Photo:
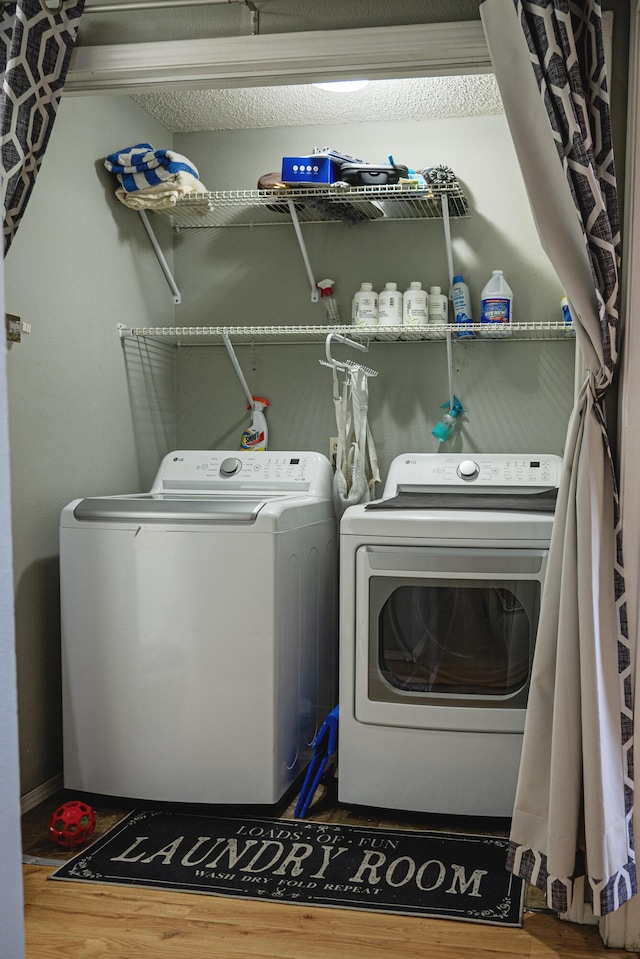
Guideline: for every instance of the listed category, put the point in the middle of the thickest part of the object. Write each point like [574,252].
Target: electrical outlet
[333,450]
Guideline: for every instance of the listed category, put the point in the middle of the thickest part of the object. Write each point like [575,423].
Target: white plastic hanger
[345,365]
[355,442]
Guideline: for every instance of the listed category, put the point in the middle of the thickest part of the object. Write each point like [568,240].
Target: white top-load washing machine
[440,586]
[198,625]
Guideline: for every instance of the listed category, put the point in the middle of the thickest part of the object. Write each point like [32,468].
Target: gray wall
[85,416]
[11,900]
[89,414]
[518,394]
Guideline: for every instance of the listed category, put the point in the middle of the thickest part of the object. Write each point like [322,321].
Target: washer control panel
[430,471]
[226,470]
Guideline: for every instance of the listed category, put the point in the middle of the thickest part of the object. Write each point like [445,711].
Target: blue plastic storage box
[316,169]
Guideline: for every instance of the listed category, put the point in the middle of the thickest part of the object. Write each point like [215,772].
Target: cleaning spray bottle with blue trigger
[256,437]
[443,430]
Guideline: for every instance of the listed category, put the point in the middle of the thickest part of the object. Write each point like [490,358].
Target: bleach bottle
[497,306]
[256,437]
[566,315]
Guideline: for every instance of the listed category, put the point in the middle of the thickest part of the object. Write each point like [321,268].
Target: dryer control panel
[226,470]
[494,471]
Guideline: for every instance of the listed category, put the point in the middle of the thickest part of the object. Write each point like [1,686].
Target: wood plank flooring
[69,920]
[82,921]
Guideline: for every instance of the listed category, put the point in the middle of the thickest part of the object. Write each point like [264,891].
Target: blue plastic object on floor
[324,746]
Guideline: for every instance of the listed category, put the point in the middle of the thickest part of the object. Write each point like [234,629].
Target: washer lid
[173,508]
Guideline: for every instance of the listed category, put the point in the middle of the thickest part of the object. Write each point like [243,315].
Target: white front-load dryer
[198,625]
[440,589]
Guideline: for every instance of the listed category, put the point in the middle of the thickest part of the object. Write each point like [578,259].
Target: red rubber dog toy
[72,824]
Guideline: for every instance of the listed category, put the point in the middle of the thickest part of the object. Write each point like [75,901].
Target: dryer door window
[456,639]
[445,628]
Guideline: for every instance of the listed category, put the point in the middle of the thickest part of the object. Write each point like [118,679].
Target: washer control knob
[467,469]
[230,466]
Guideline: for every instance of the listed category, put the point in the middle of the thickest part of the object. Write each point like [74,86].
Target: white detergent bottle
[390,306]
[415,305]
[257,436]
[461,304]
[364,307]
[438,306]
[496,306]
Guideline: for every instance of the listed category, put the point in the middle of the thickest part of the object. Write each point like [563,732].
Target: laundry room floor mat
[442,875]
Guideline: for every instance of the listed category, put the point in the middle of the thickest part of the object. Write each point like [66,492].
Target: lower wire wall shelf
[213,335]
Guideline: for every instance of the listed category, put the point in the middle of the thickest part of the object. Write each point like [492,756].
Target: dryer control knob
[467,469]
[230,466]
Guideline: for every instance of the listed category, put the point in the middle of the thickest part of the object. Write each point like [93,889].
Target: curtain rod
[158,5]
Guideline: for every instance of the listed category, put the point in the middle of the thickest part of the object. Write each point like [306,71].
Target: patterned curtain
[37,41]
[572,827]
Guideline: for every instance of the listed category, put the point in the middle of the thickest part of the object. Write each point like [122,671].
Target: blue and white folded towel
[141,166]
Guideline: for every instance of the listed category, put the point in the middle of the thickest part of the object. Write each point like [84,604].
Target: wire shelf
[249,208]
[212,335]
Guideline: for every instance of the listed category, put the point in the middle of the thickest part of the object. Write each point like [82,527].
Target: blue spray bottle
[443,430]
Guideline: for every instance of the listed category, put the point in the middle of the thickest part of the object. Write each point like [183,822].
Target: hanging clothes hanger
[336,364]
[356,472]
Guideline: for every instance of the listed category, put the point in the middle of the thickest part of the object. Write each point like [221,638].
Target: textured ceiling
[427,98]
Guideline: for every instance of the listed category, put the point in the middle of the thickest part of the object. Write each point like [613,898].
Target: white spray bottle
[256,437]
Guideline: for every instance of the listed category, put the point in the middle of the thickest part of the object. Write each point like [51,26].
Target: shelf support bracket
[177,298]
[444,199]
[315,295]
[255,17]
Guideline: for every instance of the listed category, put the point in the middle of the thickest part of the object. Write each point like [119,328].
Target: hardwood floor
[69,920]
[82,921]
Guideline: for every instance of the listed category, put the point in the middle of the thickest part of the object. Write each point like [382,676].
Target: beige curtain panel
[574,801]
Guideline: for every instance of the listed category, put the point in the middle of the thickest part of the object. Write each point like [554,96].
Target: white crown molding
[283,58]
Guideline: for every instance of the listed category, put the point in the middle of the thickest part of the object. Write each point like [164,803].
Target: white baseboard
[33,798]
